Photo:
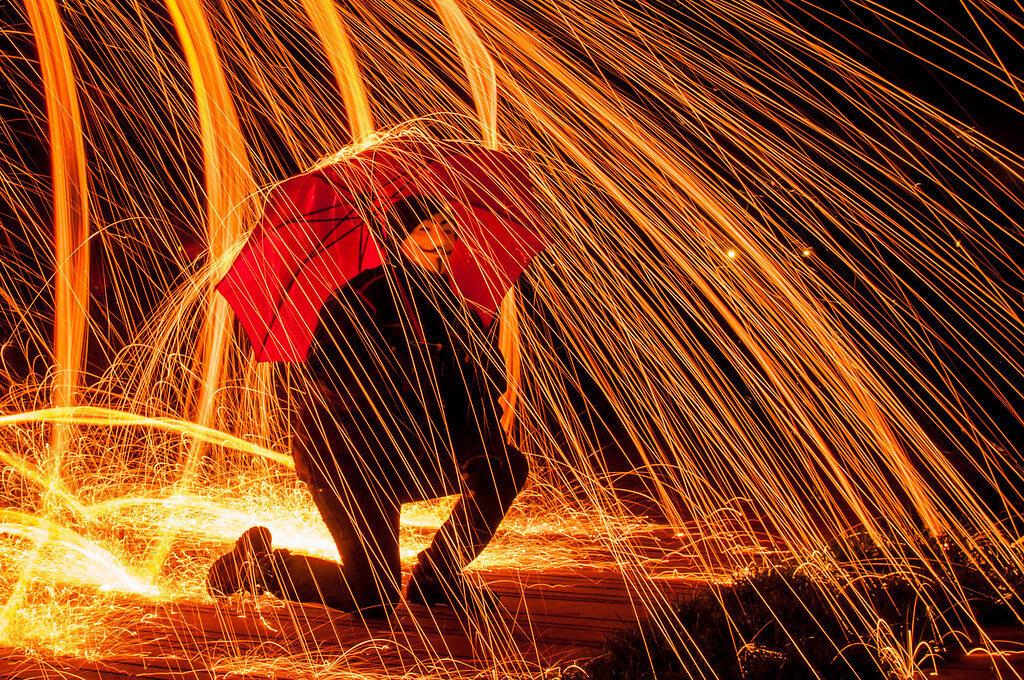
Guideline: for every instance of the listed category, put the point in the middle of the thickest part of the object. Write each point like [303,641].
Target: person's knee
[504,474]
[519,468]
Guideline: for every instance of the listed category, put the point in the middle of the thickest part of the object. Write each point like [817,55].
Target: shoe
[228,574]
[425,588]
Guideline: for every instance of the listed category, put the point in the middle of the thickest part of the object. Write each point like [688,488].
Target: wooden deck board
[550,618]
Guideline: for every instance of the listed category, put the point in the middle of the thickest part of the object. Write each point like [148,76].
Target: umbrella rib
[326,245]
[309,256]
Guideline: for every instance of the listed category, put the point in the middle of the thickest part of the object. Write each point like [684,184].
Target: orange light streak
[104,417]
[228,184]
[70,182]
[339,51]
[699,173]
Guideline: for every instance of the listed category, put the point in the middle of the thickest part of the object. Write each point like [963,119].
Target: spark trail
[780,286]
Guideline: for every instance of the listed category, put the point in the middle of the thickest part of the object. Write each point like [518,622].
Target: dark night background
[973,98]
[854,31]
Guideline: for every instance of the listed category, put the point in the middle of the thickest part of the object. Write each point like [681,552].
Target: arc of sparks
[106,417]
[228,183]
[334,35]
[70,212]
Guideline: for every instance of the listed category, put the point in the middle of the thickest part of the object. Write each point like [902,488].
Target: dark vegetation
[796,621]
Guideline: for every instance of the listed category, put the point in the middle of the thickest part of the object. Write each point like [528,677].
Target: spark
[765,409]
[105,417]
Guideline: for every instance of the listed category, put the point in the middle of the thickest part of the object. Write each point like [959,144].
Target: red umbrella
[321,228]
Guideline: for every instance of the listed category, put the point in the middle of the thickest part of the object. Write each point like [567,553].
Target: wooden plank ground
[981,664]
[550,618]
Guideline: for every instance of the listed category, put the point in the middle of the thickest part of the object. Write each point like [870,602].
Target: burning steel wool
[754,303]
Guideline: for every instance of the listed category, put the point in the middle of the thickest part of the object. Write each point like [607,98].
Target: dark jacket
[398,340]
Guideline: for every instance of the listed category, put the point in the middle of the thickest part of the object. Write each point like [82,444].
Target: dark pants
[361,469]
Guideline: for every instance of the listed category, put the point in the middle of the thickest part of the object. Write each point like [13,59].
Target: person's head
[425,231]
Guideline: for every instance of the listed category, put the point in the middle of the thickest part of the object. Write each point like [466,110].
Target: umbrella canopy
[321,228]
